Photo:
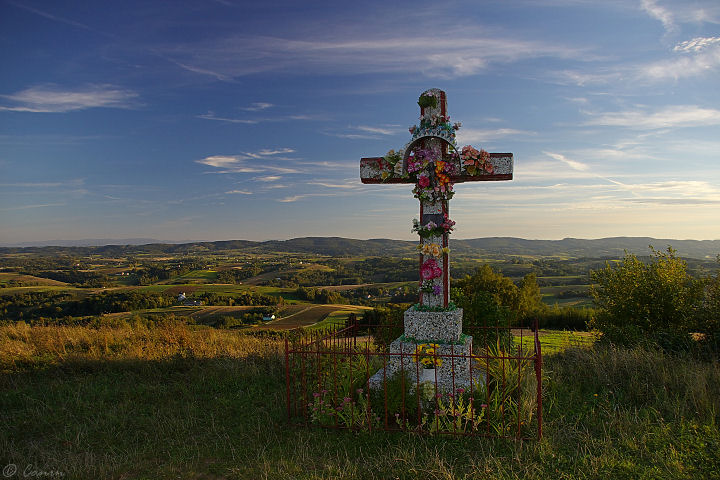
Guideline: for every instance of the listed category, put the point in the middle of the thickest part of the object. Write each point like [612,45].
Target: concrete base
[451,374]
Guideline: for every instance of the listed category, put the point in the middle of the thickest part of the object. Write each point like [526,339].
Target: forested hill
[337,246]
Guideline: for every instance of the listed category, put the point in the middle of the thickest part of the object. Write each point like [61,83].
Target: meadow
[178,401]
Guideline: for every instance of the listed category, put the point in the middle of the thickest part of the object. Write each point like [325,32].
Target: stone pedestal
[453,350]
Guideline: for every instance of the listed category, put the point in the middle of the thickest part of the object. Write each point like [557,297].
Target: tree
[654,301]
[530,303]
[500,287]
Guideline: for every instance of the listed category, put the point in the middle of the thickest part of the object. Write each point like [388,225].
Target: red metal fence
[350,378]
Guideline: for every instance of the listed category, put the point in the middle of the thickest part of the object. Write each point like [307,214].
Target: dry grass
[22,346]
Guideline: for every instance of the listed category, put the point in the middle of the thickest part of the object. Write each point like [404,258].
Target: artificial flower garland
[476,162]
[428,286]
[430,269]
[431,229]
[432,249]
[431,173]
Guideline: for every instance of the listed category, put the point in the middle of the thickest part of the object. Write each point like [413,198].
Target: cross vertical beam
[432,161]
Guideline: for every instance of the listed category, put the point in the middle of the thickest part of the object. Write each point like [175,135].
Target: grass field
[177,402]
[27,280]
[306,315]
[554,341]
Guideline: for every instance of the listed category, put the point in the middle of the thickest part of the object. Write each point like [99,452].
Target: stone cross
[432,161]
[435,133]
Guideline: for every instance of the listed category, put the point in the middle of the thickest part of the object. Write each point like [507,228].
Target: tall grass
[178,402]
[22,346]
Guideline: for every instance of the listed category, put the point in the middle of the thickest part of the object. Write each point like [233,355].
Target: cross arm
[378,170]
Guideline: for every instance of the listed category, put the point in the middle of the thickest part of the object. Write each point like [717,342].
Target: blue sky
[202,120]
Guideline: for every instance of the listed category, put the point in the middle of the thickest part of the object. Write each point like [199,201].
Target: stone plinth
[453,350]
[433,327]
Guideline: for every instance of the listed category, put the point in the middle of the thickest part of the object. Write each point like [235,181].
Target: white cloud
[252,121]
[250,162]
[696,44]
[295,198]
[659,13]
[698,59]
[239,192]
[26,207]
[350,185]
[574,164]
[477,135]
[220,161]
[52,98]
[212,116]
[460,52]
[672,116]
[279,151]
[258,106]
[268,178]
[380,130]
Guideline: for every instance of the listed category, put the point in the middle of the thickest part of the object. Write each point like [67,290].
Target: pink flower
[430,270]
[424,181]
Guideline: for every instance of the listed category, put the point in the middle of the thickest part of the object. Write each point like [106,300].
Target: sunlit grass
[554,341]
[174,401]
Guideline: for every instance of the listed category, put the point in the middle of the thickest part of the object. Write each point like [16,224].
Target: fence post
[287,379]
[538,375]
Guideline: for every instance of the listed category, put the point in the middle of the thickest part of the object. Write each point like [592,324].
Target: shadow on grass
[610,413]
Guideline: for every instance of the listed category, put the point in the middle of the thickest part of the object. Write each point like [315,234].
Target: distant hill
[338,246]
[602,247]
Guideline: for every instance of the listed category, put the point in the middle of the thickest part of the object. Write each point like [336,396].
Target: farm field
[311,315]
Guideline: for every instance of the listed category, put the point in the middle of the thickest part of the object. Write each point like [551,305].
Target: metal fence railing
[348,377]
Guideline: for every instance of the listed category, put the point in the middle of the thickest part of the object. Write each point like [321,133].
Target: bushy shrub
[654,302]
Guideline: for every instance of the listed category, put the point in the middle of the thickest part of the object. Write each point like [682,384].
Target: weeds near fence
[338,380]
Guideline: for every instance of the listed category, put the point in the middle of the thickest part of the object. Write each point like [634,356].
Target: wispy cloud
[380,130]
[212,116]
[238,192]
[698,57]
[26,207]
[477,135]
[365,132]
[460,52]
[279,151]
[574,164]
[250,162]
[660,13]
[349,185]
[258,106]
[54,99]
[672,116]
[295,198]
[268,178]
[58,18]
[252,121]
[697,44]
